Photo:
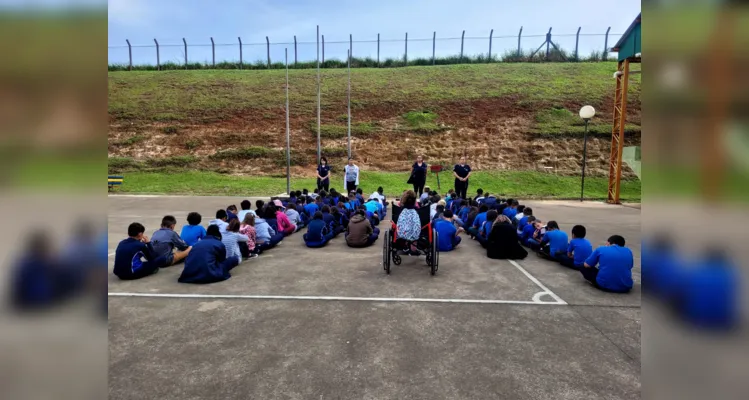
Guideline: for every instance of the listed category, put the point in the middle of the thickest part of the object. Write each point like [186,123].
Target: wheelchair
[427,243]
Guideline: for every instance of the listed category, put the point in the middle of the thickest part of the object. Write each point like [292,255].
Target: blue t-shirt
[528,230]
[557,240]
[192,233]
[614,267]
[522,222]
[510,213]
[447,232]
[310,209]
[371,207]
[480,218]
[581,249]
[487,228]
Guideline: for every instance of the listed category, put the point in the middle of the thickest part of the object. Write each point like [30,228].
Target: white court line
[329,298]
[546,290]
[111,254]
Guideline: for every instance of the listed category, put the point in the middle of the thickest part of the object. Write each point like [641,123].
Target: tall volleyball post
[318,94]
[349,104]
[288,137]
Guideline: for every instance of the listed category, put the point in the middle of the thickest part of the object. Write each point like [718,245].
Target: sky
[169,21]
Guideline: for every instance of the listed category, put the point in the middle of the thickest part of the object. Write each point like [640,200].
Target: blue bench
[114,180]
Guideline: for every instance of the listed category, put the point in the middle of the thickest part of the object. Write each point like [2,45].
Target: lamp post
[586,113]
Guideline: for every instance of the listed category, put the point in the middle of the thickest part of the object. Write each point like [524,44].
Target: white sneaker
[251,256]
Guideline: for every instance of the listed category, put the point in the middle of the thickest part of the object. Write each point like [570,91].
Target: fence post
[294,50]
[350,45]
[605,55]
[405,56]
[490,44]
[267,46]
[323,49]
[577,42]
[378,49]
[548,42]
[240,52]
[519,35]
[434,44]
[158,58]
[130,54]
[185,42]
[213,52]
[461,45]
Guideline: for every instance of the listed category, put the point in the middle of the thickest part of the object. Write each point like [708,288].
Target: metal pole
[240,52]
[349,104]
[405,56]
[213,51]
[295,59]
[350,46]
[461,44]
[548,42]
[318,90]
[158,58]
[585,158]
[577,42]
[185,42]
[434,44]
[130,54]
[490,44]
[605,54]
[288,137]
[519,35]
[267,46]
[378,49]
[323,50]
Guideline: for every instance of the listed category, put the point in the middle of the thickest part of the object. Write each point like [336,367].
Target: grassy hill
[504,116]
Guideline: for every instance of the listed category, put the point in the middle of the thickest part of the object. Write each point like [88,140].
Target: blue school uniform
[318,234]
[310,209]
[510,213]
[360,199]
[207,263]
[480,218]
[329,220]
[581,249]
[448,238]
[557,240]
[528,231]
[614,267]
[191,234]
[371,207]
[710,294]
[463,214]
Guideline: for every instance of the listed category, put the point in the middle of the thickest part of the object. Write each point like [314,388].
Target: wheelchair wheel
[386,252]
[434,252]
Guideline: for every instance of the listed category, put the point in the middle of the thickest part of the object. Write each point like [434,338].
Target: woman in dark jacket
[419,175]
[503,241]
[323,174]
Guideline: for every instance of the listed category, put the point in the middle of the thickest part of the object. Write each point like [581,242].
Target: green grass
[520,184]
[360,129]
[194,96]
[423,122]
[245,153]
[559,121]
[131,140]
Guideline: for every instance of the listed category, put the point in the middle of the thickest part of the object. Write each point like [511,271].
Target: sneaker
[251,256]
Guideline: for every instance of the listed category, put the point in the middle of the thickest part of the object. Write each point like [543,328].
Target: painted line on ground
[546,290]
[329,298]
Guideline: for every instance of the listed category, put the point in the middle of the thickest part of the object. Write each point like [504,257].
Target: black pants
[461,189]
[350,186]
[323,184]
[590,274]
[419,186]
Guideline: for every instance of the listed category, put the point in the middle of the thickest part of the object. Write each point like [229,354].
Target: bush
[423,122]
[119,164]
[360,129]
[192,144]
[175,161]
[131,140]
[171,129]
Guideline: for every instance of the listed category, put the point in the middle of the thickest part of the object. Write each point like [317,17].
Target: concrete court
[342,348]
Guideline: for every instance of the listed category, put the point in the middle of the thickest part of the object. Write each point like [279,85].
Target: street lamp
[586,113]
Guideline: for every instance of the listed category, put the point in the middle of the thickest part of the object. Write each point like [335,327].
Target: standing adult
[419,175]
[350,176]
[323,175]
[462,172]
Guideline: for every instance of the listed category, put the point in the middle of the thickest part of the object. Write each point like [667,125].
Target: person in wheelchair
[409,223]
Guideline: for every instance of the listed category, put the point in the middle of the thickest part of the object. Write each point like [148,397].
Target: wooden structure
[629,51]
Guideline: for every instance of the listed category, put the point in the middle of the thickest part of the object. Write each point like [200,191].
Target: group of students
[504,227]
[209,254]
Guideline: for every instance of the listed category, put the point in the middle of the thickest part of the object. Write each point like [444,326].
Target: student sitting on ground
[534,242]
[231,213]
[449,198]
[523,220]
[360,196]
[220,221]
[135,258]
[232,238]
[479,196]
[554,243]
[318,233]
[259,204]
[486,228]
[267,238]
[300,210]
[473,211]
[340,219]
[246,209]
[578,250]
[511,210]
[351,203]
[528,229]
[374,209]
[520,214]
[284,225]
[438,212]
[207,262]
[478,221]
[192,232]
[433,203]
[248,249]
[381,198]
[359,232]
[425,195]
[448,233]
[503,241]
[293,215]
[166,240]
[615,262]
[330,221]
